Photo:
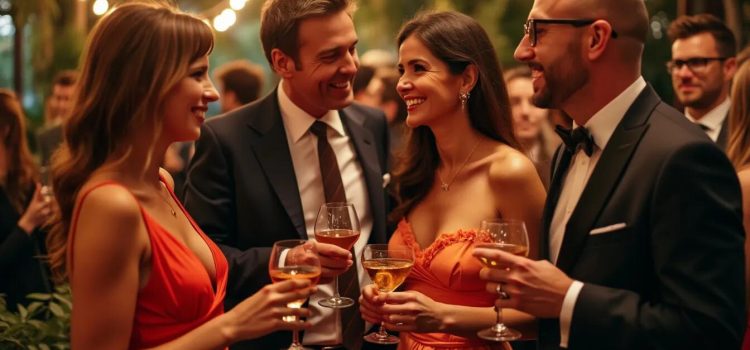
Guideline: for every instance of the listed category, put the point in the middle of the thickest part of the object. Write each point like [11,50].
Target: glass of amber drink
[294,259]
[509,236]
[337,224]
[387,268]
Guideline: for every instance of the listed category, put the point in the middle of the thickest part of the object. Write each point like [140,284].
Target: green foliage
[44,324]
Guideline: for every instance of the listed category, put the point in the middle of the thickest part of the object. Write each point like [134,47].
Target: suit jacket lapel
[271,148]
[605,177]
[368,158]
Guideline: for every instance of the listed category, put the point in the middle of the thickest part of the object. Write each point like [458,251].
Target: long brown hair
[459,41]
[21,171]
[133,57]
[738,147]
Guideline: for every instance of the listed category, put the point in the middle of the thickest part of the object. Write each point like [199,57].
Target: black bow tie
[579,137]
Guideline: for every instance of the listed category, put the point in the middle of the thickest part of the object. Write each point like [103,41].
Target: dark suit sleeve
[210,199]
[15,245]
[696,243]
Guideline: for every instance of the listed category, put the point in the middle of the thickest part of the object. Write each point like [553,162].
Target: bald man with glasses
[641,239]
[702,66]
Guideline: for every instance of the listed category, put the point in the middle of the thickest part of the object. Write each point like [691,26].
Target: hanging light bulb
[237,4]
[100,7]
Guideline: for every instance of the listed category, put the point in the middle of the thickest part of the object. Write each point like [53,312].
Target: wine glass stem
[336,295]
[295,340]
[381,332]
[498,315]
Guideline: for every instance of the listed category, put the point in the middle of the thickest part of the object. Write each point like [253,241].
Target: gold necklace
[171,209]
[446,186]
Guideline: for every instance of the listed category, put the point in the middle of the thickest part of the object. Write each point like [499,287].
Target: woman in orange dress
[461,165]
[143,275]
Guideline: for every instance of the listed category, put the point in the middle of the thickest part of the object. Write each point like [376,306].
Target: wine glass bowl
[294,259]
[337,223]
[388,269]
[509,236]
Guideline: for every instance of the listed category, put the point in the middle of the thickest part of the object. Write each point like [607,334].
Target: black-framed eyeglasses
[529,28]
[695,64]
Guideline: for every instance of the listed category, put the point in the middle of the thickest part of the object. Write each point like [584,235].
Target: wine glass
[509,236]
[294,259]
[387,268]
[45,178]
[337,224]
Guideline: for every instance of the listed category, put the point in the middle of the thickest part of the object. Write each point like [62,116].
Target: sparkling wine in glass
[509,236]
[387,268]
[294,259]
[337,224]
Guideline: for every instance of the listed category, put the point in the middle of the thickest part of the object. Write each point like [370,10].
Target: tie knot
[578,137]
[319,129]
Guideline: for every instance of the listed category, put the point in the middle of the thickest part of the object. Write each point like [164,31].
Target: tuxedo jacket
[723,137]
[668,273]
[242,190]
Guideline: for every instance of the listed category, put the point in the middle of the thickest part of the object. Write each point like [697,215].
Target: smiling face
[702,87]
[185,105]
[427,85]
[527,118]
[321,78]
[557,66]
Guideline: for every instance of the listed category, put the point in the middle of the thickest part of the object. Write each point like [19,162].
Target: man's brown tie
[352,325]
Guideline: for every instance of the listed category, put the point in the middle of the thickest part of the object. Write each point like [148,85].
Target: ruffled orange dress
[446,272]
[179,295]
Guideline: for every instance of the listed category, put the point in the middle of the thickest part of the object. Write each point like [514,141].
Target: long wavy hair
[738,147]
[134,55]
[21,173]
[459,41]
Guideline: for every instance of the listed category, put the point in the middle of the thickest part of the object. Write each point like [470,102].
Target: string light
[237,4]
[100,7]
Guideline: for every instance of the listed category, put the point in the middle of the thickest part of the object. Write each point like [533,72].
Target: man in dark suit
[642,228]
[256,174]
[702,66]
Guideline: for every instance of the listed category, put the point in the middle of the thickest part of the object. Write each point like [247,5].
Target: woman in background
[461,165]
[23,210]
[738,151]
[143,275]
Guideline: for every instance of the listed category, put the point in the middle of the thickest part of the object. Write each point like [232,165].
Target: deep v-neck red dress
[179,295]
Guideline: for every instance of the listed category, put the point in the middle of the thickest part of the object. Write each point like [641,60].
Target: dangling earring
[464,97]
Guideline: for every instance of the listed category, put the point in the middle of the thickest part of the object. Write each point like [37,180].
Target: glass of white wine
[387,268]
[294,259]
[337,224]
[509,236]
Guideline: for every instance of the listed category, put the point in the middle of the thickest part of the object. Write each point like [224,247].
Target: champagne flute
[337,223]
[509,236]
[294,259]
[387,268]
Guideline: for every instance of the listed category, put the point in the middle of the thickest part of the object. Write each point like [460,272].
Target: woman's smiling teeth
[413,101]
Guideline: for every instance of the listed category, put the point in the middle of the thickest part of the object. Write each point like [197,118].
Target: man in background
[702,66]
[240,82]
[56,111]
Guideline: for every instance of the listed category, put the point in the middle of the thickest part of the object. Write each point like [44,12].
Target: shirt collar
[602,125]
[713,119]
[298,122]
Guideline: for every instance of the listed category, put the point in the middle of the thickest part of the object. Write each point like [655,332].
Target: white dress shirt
[601,126]
[713,120]
[303,146]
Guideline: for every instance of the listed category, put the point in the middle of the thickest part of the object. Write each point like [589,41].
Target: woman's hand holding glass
[294,260]
[37,213]
[264,311]
[408,311]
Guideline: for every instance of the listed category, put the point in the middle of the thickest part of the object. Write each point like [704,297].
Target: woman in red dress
[143,274]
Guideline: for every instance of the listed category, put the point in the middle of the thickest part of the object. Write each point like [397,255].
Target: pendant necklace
[446,186]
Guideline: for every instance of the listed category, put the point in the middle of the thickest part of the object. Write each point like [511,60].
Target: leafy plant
[44,324]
